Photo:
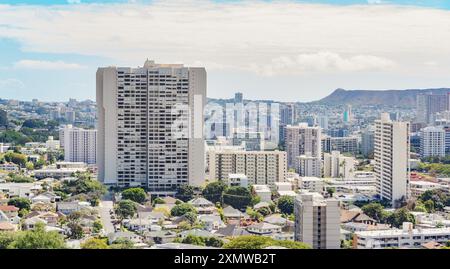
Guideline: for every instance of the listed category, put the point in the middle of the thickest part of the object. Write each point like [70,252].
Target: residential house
[232,230]
[46,197]
[160,237]
[203,206]
[69,207]
[211,222]
[231,213]
[263,228]
[29,224]
[135,238]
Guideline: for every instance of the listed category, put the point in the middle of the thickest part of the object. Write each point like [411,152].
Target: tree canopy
[214,190]
[126,209]
[261,242]
[137,195]
[237,197]
[38,238]
[182,209]
[286,204]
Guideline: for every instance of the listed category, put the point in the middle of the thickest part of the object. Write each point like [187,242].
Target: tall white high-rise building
[432,142]
[150,122]
[302,140]
[427,105]
[80,145]
[317,221]
[391,155]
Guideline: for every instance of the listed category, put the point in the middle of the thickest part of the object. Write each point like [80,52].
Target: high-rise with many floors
[80,145]
[430,104]
[391,155]
[432,142]
[150,123]
[302,140]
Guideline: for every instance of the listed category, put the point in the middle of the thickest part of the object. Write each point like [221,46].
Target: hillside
[378,97]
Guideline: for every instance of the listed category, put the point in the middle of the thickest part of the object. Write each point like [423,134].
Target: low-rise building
[408,237]
[264,228]
[263,192]
[311,184]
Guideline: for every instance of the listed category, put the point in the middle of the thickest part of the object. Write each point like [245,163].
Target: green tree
[33,123]
[191,216]
[97,226]
[375,211]
[14,137]
[158,200]
[17,158]
[126,209]
[94,243]
[401,215]
[213,191]
[76,230]
[429,206]
[38,238]
[20,179]
[286,204]
[253,214]
[137,195]
[331,191]
[214,242]
[29,166]
[264,211]
[185,192]
[122,243]
[3,118]
[182,209]
[260,242]
[419,206]
[7,238]
[237,197]
[193,240]
[439,198]
[21,203]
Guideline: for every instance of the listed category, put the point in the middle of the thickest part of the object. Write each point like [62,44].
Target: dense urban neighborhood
[331,176]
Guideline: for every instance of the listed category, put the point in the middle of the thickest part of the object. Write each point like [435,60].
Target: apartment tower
[391,155]
[150,124]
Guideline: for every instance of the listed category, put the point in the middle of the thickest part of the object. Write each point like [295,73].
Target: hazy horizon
[279,50]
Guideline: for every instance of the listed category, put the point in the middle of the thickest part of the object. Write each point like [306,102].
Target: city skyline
[303,63]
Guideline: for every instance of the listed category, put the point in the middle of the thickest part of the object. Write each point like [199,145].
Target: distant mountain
[378,97]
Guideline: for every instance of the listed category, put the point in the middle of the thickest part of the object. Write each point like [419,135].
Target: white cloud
[322,62]
[46,65]
[74,1]
[262,37]
[11,84]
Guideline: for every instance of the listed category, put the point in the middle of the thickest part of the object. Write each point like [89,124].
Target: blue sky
[268,50]
[425,3]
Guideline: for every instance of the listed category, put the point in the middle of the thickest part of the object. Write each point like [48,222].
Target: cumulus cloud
[11,84]
[262,37]
[322,62]
[46,65]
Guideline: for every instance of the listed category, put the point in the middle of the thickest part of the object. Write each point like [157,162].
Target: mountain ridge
[405,97]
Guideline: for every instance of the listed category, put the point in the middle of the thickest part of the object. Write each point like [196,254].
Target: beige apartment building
[317,221]
[150,126]
[391,155]
[260,167]
[80,145]
[302,140]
